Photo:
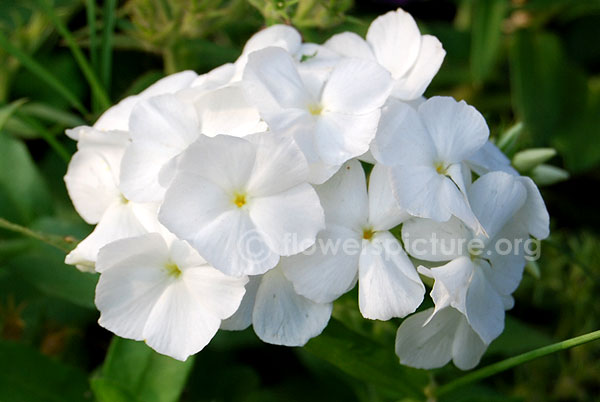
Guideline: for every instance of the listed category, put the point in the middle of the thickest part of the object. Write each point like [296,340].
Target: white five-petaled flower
[427,149]
[278,314]
[92,182]
[158,289]
[482,272]
[395,42]
[243,202]
[357,242]
[332,118]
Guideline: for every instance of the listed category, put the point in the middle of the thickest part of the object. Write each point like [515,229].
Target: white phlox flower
[332,119]
[158,289]
[395,42]
[92,181]
[482,272]
[427,149]
[357,243]
[243,202]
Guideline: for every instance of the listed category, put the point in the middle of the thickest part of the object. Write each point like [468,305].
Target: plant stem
[511,362]
[62,243]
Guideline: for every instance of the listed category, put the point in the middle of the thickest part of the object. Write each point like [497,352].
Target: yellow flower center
[440,168]
[173,269]
[315,110]
[368,233]
[239,199]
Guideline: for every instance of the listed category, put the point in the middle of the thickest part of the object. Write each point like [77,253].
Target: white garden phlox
[427,149]
[232,193]
[357,243]
[332,119]
[157,288]
[395,42]
[481,273]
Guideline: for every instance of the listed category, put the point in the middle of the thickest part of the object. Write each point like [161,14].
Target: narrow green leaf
[134,372]
[29,376]
[486,35]
[47,136]
[367,361]
[52,114]
[507,364]
[42,73]
[98,90]
[7,111]
[107,43]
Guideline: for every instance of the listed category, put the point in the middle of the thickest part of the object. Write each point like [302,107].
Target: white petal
[349,44]
[161,128]
[224,160]
[242,318]
[130,284]
[388,284]
[279,36]
[346,92]
[273,83]
[344,197]
[226,111]
[425,344]
[534,213]
[428,240]
[458,130]
[179,325]
[92,184]
[118,222]
[467,347]
[289,221]
[282,317]
[489,158]
[402,137]
[395,40]
[170,84]
[452,283]
[329,268]
[340,137]
[495,198]
[421,191]
[384,212]
[484,308]
[276,154]
[430,58]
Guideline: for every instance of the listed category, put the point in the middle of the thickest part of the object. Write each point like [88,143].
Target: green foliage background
[534,62]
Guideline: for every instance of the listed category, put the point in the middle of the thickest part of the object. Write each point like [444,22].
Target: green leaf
[28,376]
[97,89]
[7,111]
[368,361]
[22,188]
[486,35]
[134,372]
[107,42]
[42,73]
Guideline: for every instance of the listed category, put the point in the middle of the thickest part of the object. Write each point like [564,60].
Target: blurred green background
[532,67]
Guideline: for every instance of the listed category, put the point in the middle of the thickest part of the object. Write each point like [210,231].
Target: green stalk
[42,73]
[65,244]
[511,362]
[97,89]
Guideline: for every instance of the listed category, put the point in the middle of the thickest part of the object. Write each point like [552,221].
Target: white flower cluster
[238,198]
